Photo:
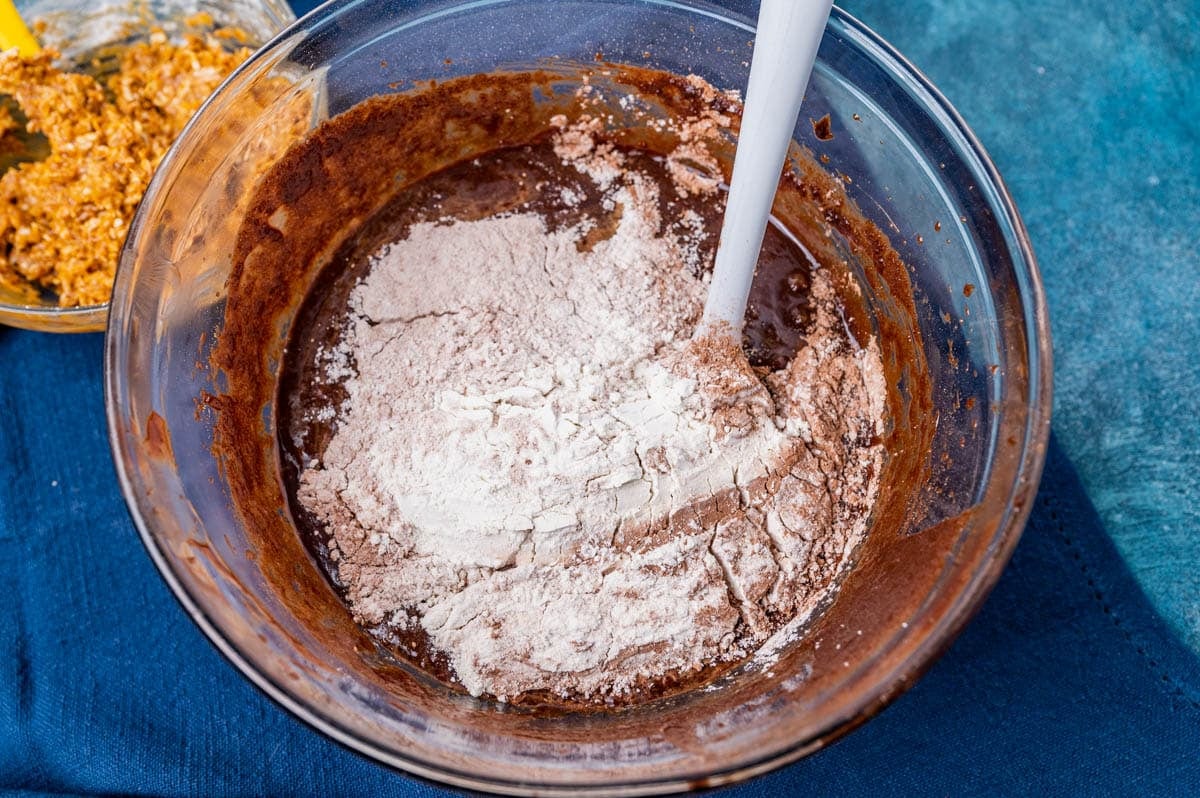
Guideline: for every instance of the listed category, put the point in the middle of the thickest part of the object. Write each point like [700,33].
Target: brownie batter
[515,176]
[531,179]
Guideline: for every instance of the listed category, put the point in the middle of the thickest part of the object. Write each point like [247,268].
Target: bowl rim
[885,689]
[55,318]
[70,310]
[52,311]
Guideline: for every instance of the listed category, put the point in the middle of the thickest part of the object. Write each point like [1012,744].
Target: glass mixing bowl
[77,28]
[910,164]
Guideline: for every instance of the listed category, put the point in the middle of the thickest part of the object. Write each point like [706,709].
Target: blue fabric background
[1068,682]
[1091,111]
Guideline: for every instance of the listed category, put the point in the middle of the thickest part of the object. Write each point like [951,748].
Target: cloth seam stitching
[1098,595]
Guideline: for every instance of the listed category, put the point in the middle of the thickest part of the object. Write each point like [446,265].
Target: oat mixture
[64,218]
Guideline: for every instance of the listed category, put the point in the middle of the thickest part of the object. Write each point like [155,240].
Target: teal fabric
[1091,111]
[1075,678]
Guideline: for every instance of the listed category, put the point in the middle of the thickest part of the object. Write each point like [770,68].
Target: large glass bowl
[78,28]
[912,166]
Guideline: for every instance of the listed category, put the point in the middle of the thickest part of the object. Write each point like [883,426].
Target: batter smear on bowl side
[519,467]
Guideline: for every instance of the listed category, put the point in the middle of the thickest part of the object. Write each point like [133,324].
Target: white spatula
[785,47]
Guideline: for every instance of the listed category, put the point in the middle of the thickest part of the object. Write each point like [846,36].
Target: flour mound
[537,464]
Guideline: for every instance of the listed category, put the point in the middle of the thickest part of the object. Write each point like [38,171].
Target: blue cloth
[1068,682]
[1091,111]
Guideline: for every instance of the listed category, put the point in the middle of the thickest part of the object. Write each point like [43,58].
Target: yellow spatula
[29,146]
[14,32]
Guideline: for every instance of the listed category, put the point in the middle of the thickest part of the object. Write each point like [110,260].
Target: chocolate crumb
[823,128]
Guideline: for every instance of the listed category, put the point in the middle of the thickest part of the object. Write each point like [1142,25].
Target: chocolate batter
[529,178]
[497,160]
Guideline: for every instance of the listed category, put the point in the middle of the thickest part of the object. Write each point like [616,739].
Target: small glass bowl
[76,28]
[909,163]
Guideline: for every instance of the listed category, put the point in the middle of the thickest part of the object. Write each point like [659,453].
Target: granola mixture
[63,219]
